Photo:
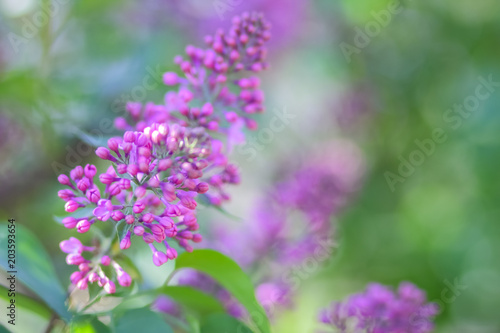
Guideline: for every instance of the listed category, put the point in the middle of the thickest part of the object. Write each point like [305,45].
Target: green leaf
[26,303]
[34,269]
[226,272]
[193,299]
[223,323]
[88,324]
[142,320]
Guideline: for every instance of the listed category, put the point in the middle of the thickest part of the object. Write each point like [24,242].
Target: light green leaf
[142,320]
[26,303]
[223,323]
[226,272]
[34,268]
[193,299]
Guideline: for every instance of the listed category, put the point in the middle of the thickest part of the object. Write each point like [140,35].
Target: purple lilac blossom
[381,310]
[167,156]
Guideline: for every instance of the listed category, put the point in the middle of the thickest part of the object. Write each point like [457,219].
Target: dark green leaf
[226,272]
[34,269]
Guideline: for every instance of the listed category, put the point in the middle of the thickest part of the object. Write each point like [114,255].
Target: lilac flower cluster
[167,155]
[380,310]
[290,224]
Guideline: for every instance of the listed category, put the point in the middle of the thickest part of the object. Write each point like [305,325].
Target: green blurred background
[403,73]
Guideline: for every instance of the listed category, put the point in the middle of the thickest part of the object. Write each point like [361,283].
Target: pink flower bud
[103,153]
[82,284]
[164,164]
[75,277]
[113,144]
[171,253]
[93,277]
[65,194]
[121,168]
[72,245]
[125,242]
[166,222]
[83,184]
[75,259]
[129,136]
[93,195]
[132,169]
[64,180]
[129,219]
[197,238]
[106,178]
[69,222]
[76,173]
[105,260]
[90,171]
[202,187]
[138,207]
[148,238]
[159,258]
[170,79]
[110,287]
[138,230]
[83,226]
[123,278]
[71,206]
[117,215]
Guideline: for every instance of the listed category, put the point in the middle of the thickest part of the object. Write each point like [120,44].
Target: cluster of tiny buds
[92,271]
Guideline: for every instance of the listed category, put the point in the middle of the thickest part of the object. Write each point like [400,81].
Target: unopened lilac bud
[93,195]
[75,277]
[65,194]
[117,215]
[166,222]
[164,164]
[82,284]
[69,222]
[110,287]
[197,238]
[138,207]
[132,169]
[71,206]
[105,260]
[90,171]
[125,242]
[171,253]
[114,189]
[83,184]
[231,116]
[124,279]
[129,219]
[93,277]
[84,267]
[202,187]
[148,217]
[124,184]
[106,178]
[104,153]
[159,258]
[141,140]
[140,192]
[83,226]
[121,168]
[148,238]
[170,79]
[185,234]
[139,230]
[74,259]
[64,180]
[172,232]
[113,144]
[129,136]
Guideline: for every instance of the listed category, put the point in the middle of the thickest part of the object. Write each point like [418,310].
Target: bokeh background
[349,70]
